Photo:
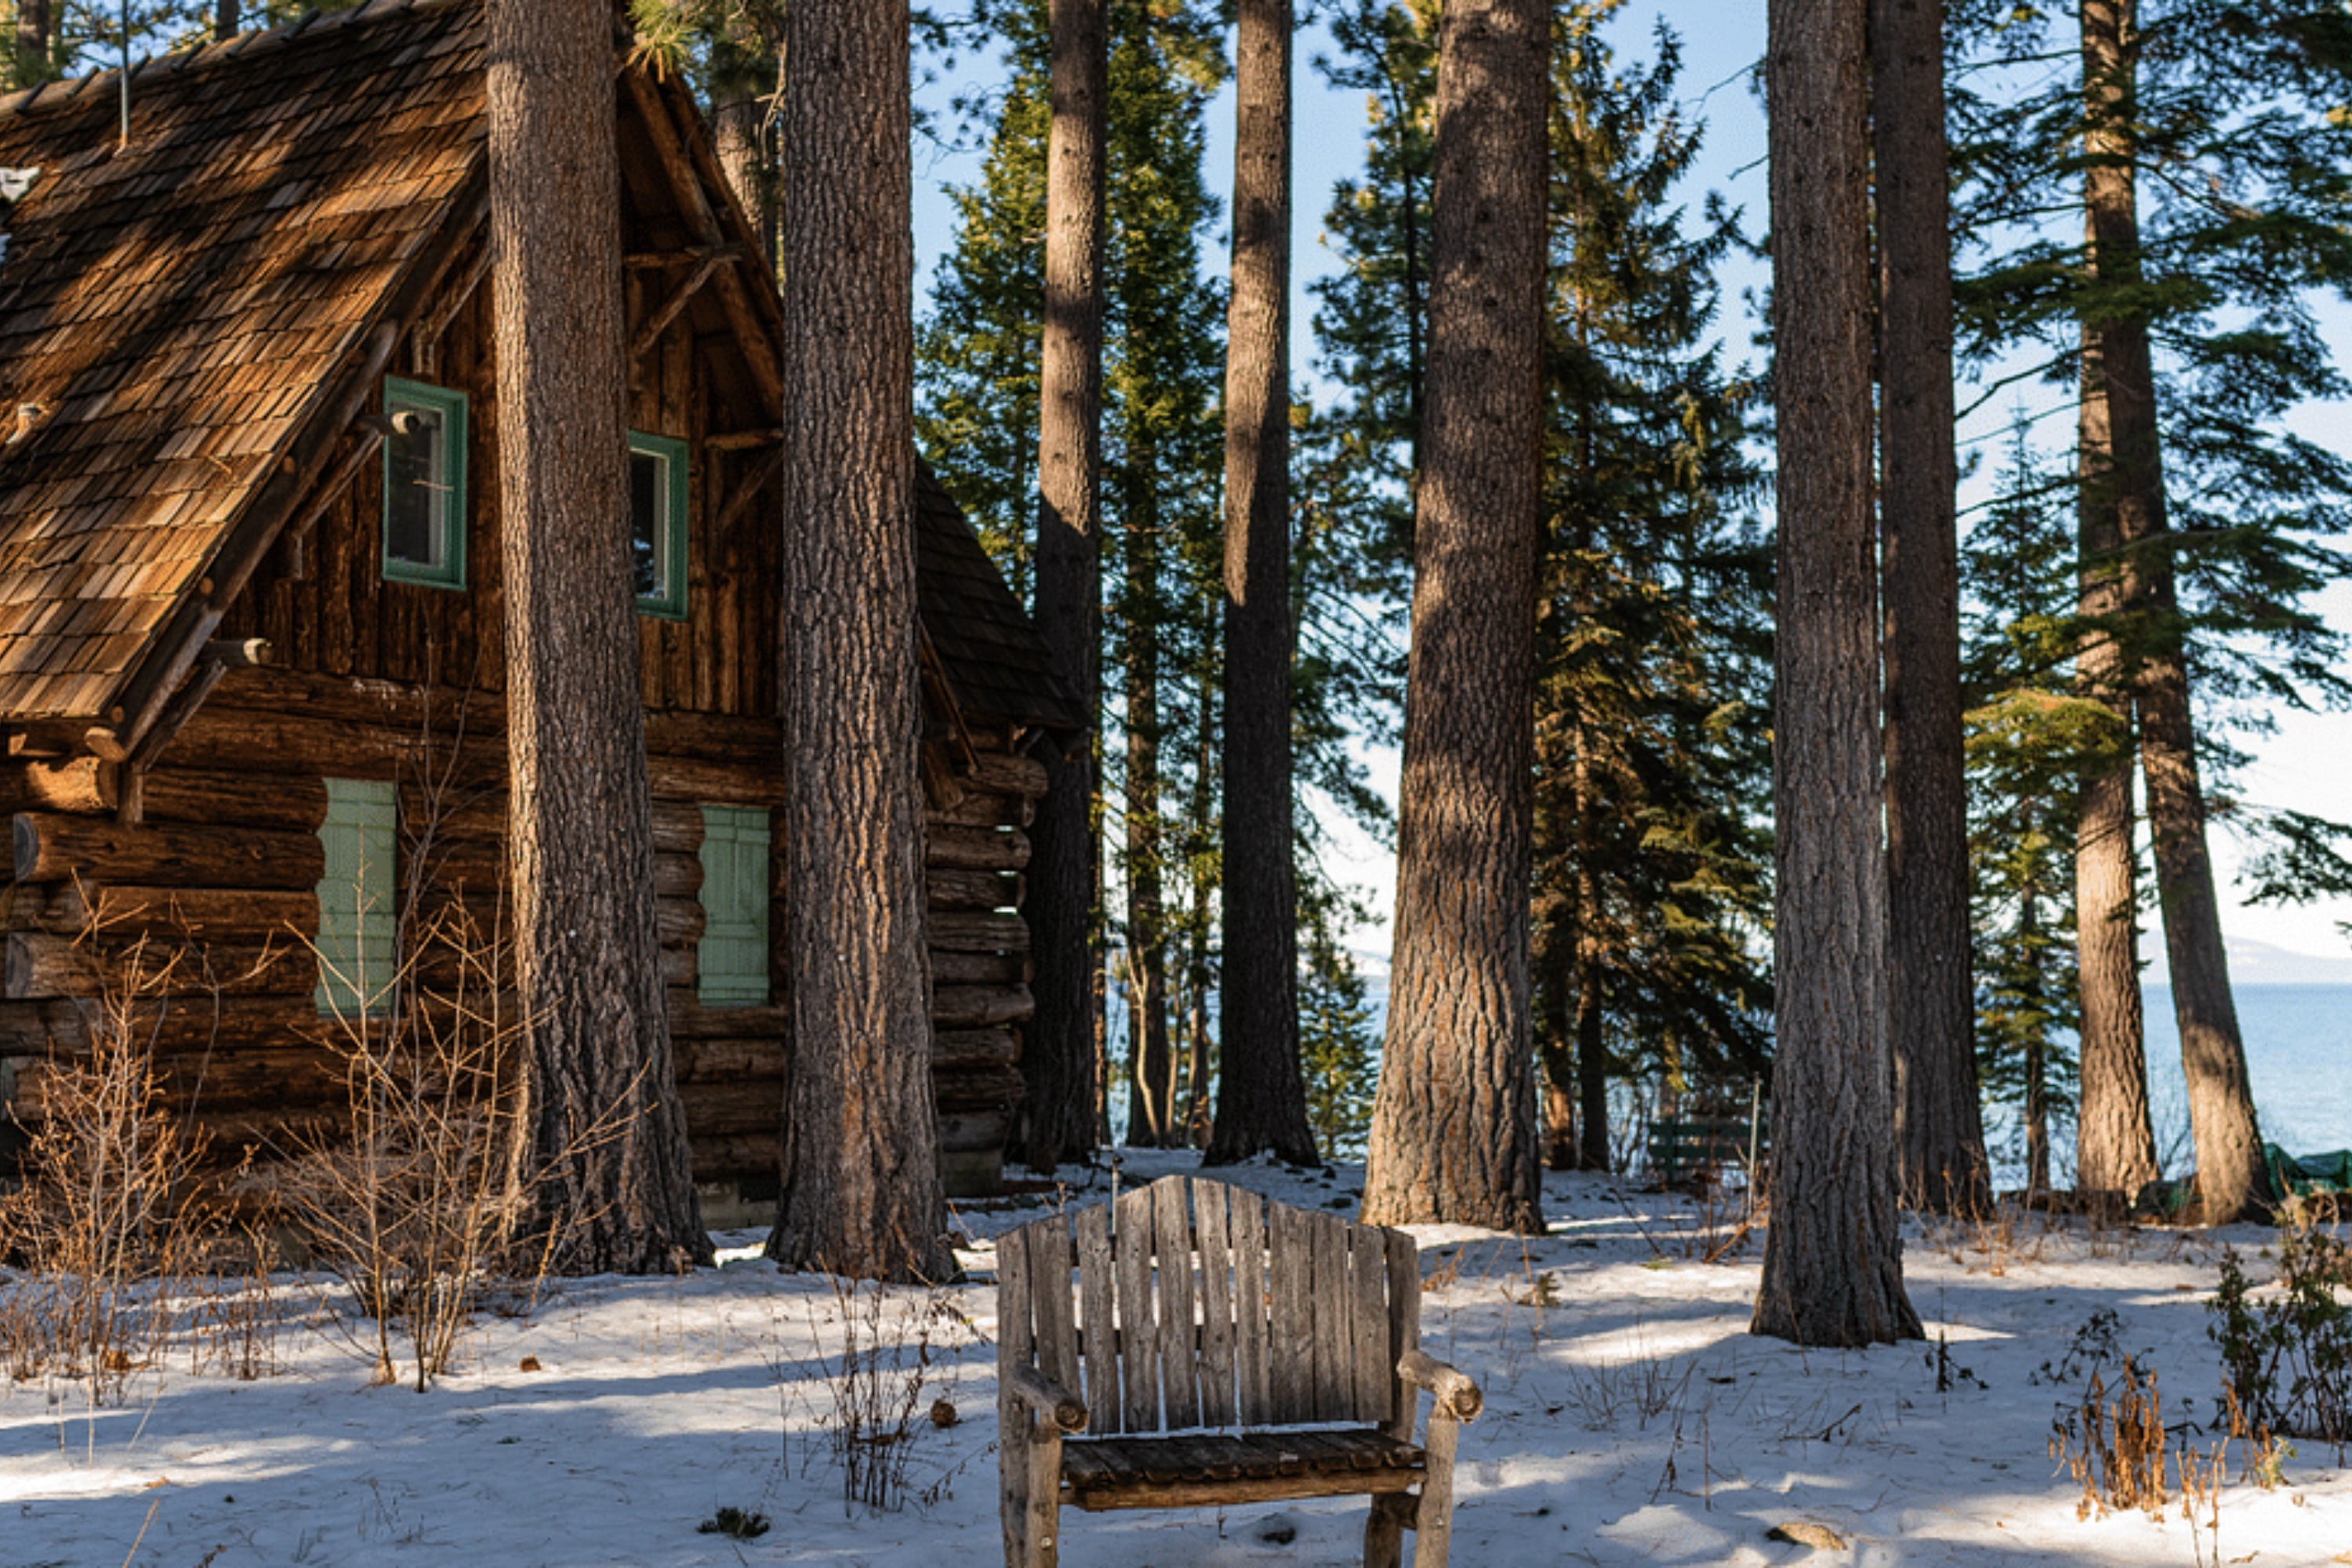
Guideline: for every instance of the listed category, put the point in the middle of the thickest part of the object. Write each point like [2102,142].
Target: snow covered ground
[1630,1419]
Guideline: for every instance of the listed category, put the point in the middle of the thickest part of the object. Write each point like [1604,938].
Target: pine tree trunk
[1592,1067]
[1261,1101]
[2037,1044]
[1059,1057]
[1453,1124]
[225,20]
[1559,1106]
[861,1183]
[615,1187]
[2130,474]
[739,80]
[1834,1253]
[1931,998]
[1151,1088]
[1199,973]
[33,41]
[1591,969]
[2115,1136]
[1553,960]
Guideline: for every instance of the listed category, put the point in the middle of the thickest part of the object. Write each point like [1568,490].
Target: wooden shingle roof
[171,312]
[179,316]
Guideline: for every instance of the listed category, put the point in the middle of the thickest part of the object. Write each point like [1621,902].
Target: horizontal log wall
[223,872]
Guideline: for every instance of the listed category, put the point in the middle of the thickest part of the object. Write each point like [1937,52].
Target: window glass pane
[416,524]
[648,524]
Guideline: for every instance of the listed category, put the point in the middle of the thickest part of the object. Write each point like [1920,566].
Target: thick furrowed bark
[861,1183]
[1931,997]
[1453,1125]
[615,1183]
[1261,1101]
[1834,1253]
[1060,1115]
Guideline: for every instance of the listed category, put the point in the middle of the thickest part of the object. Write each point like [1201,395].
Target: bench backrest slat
[1245,1226]
[1049,1289]
[1335,1376]
[1138,1336]
[1211,1228]
[1404,1325]
[1290,1326]
[1171,1244]
[1196,1304]
[1368,1322]
[1098,1323]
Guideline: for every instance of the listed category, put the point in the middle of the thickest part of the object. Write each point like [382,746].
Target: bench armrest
[1452,1394]
[1041,1395]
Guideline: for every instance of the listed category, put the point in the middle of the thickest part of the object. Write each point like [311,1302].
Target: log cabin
[249,585]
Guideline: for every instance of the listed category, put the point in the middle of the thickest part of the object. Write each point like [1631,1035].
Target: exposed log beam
[742,440]
[662,260]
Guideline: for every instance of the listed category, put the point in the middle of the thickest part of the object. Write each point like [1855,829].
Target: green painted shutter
[357,928]
[733,958]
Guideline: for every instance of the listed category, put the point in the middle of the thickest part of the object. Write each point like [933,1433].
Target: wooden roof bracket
[424,338]
[748,489]
[671,309]
[935,675]
[688,185]
[178,647]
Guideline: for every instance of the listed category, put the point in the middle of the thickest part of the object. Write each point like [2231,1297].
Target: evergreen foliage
[2031,736]
[1651,893]
[2245,155]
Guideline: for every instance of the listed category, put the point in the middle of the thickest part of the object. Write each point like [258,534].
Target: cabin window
[424,484]
[356,926]
[733,957]
[657,507]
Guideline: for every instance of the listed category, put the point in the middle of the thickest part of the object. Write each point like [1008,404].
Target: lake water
[2298,1053]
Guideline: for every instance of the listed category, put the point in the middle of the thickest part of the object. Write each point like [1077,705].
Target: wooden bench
[1689,1150]
[1216,1348]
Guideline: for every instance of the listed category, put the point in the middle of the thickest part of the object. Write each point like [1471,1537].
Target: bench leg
[1012,1482]
[1384,1531]
[1029,1466]
[1434,1523]
[1045,1522]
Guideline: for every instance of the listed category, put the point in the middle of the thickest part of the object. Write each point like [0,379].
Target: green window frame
[358,931]
[659,500]
[425,484]
[733,957]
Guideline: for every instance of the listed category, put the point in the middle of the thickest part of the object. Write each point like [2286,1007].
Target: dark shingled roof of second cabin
[176,316]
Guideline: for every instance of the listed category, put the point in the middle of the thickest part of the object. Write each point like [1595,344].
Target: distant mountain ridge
[2261,964]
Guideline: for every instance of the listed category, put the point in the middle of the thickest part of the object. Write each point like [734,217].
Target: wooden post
[1044,1523]
[1434,1523]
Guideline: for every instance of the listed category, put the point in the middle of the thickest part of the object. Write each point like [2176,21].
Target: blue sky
[2304,766]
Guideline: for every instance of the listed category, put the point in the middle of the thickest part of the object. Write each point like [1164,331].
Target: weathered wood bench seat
[1214,1348]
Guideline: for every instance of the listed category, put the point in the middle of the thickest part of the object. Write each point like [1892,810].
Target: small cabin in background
[249,585]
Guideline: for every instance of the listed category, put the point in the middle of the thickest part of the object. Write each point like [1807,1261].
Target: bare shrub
[237,1313]
[876,1383]
[106,1218]
[422,1198]
[1646,1386]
